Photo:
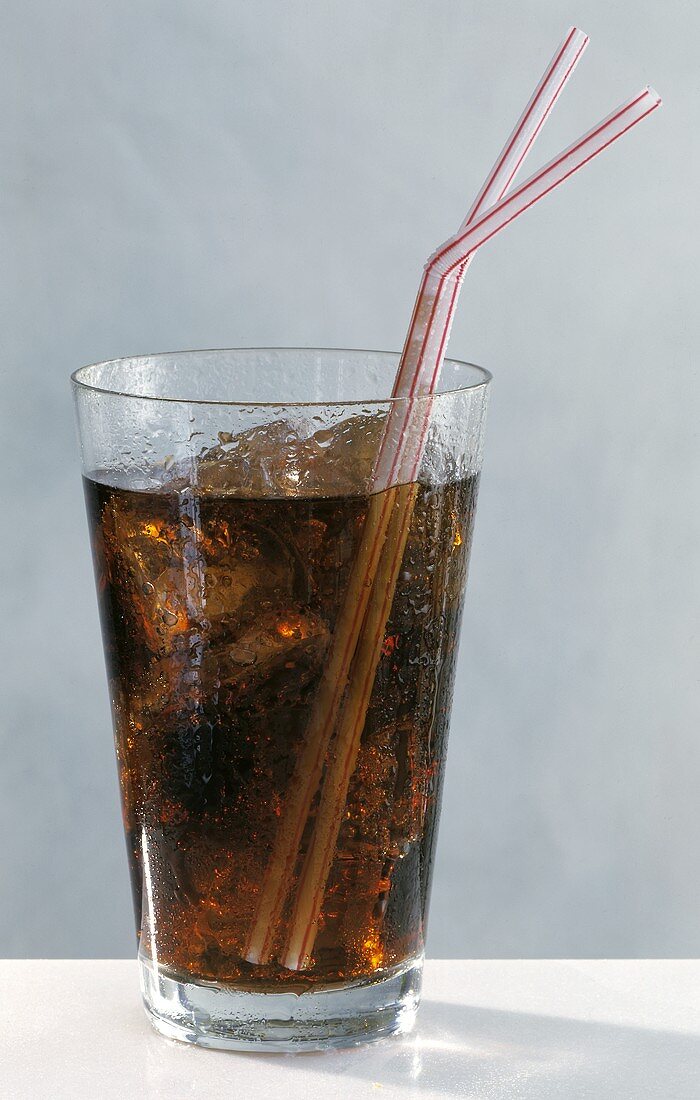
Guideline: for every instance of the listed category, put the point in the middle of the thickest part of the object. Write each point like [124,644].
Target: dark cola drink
[218,611]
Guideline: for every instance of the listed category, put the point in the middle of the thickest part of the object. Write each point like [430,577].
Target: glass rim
[485,377]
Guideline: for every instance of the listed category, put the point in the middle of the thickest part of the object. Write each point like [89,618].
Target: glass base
[229,1018]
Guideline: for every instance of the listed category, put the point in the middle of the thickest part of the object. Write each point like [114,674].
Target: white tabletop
[511,1030]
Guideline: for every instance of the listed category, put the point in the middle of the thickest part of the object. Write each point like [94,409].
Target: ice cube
[142,553]
[281,459]
[254,569]
[280,652]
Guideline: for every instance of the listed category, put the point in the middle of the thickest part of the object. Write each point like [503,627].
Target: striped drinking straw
[359,632]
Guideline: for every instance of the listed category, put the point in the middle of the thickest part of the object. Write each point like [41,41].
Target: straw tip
[576,32]
[655,96]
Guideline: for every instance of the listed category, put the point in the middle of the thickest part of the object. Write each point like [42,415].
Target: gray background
[178,174]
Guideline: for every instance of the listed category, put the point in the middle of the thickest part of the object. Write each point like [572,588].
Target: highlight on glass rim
[281,575]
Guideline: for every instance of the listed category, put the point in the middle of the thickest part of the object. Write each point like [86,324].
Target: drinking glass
[280,696]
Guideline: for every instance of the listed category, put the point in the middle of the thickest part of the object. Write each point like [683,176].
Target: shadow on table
[485,1053]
